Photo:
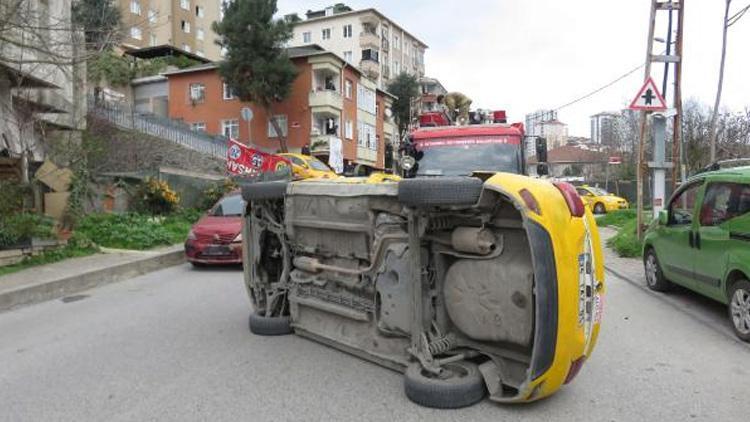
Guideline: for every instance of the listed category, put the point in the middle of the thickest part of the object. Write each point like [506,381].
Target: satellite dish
[246,113]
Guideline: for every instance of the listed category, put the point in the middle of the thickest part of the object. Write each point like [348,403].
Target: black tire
[464,387]
[440,191]
[655,281]
[599,208]
[198,265]
[264,191]
[742,332]
[269,326]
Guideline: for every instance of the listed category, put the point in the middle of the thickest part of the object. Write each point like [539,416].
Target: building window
[366,136]
[185,4]
[136,33]
[230,128]
[199,34]
[281,120]
[199,11]
[152,40]
[198,126]
[228,93]
[348,89]
[152,16]
[186,47]
[197,92]
[348,56]
[135,7]
[396,42]
[307,37]
[366,99]
[396,67]
[347,31]
[185,25]
[349,130]
[326,34]
[370,54]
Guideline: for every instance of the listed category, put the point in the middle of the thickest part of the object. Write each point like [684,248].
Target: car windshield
[461,156]
[317,164]
[231,206]
[599,191]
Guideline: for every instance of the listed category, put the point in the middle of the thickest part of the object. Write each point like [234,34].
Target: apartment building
[329,99]
[431,89]
[42,84]
[604,128]
[184,24]
[364,38]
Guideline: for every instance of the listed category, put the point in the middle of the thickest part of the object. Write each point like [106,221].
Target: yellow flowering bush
[156,197]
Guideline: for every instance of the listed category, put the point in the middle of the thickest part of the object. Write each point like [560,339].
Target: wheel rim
[740,310]
[651,269]
[599,208]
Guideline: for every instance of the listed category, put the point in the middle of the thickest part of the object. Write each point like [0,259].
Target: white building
[431,89]
[364,38]
[544,123]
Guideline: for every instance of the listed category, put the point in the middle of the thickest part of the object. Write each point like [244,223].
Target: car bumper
[196,253]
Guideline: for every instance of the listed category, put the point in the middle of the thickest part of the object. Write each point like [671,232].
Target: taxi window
[582,192]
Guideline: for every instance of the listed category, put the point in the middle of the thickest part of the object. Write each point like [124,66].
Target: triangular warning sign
[648,98]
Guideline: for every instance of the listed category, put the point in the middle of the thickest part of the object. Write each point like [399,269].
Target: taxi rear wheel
[460,385]
[654,276]
[599,208]
[269,326]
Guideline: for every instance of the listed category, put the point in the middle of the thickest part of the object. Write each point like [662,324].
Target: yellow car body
[571,238]
[308,167]
[600,201]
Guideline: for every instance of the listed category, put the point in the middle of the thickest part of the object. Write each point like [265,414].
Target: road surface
[174,345]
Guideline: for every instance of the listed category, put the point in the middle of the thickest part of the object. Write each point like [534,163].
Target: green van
[702,241]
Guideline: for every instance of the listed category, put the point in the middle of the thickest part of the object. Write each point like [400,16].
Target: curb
[31,294]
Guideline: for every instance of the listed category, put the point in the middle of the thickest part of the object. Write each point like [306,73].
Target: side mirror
[663,217]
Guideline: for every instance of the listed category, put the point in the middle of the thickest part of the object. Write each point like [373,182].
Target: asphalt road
[174,345]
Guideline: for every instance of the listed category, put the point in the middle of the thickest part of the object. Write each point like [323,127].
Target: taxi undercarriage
[444,279]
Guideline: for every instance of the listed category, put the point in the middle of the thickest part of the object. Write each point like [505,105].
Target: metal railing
[124,116]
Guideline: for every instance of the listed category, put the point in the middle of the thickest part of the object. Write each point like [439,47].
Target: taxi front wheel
[269,326]
[599,208]
[739,309]
[654,276]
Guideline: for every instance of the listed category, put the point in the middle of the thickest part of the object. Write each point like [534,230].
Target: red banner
[245,161]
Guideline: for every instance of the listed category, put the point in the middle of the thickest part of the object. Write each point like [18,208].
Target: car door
[674,244]
[586,196]
[721,203]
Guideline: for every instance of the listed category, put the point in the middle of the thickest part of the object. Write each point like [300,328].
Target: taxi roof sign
[648,98]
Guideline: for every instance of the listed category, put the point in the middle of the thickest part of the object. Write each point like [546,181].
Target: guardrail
[171,130]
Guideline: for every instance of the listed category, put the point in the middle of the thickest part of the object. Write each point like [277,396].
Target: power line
[602,88]
[734,18]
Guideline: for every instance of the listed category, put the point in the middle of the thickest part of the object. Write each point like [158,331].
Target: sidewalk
[627,268]
[63,278]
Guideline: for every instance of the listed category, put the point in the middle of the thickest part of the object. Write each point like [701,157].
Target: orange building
[328,99]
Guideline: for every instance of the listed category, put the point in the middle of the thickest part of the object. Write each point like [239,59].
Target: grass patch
[78,246]
[626,242]
[137,231]
[616,218]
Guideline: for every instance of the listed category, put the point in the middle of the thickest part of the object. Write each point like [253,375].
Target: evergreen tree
[406,88]
[257,66]
[100,20]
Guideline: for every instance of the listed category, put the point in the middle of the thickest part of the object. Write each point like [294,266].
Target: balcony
[320,144]
[326,100]
[366,155]
[386,71]
[369,39]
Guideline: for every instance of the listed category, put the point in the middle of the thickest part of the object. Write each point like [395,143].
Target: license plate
[216,251]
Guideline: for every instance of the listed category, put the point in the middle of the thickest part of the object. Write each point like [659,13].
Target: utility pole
[678,152]
[656,6]
[715,116]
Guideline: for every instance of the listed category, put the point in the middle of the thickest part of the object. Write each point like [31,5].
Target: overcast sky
[523,55]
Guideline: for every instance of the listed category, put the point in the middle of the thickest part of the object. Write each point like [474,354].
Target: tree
[257,65]
[406,88]
[100,20]
[715,115]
